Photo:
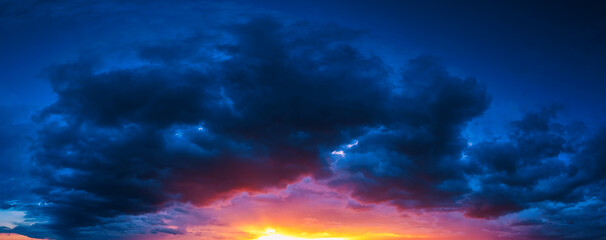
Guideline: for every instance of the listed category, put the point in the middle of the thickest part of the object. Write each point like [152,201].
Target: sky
[290,120]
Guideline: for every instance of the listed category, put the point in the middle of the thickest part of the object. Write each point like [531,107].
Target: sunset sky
[293,120]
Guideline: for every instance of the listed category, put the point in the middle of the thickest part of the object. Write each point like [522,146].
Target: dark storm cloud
[545,166]
[193,129]
[519,171]
[413,161]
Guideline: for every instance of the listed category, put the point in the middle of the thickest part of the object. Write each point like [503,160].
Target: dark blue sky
[512,88]
[528,53]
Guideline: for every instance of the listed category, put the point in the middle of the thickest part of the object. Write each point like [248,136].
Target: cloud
[413,159]
[196,129]
[525,168]
[546,166]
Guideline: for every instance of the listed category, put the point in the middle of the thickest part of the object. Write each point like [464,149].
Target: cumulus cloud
[413,159]
[196,129]
[544,166]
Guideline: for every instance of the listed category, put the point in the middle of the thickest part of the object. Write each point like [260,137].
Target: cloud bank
[264,102]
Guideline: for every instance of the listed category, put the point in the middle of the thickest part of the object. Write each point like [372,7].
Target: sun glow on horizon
[271,234]
[284,237]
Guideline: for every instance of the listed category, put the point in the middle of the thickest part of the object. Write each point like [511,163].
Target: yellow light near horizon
[282,237]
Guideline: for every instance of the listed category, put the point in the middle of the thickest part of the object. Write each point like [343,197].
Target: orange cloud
[14,236]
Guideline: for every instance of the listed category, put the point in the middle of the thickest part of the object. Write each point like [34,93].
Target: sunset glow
[282,237]
[273,235]
[9,236]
